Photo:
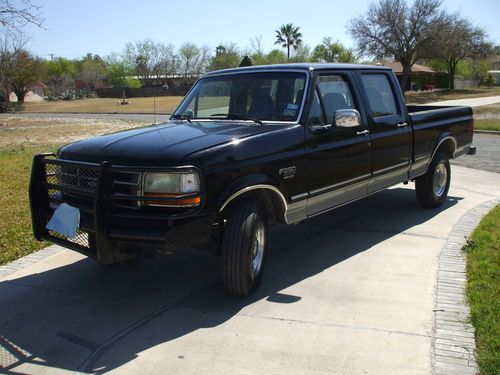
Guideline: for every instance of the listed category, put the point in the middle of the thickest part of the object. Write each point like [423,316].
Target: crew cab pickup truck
[246,148]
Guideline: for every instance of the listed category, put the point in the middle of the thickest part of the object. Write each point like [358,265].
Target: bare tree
[14,17]
[204,60]
[164,64]
[141,55]
[10,47]
[395,29]
[256,44]
[457,40]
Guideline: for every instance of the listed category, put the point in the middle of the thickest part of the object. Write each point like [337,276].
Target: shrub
[132,83]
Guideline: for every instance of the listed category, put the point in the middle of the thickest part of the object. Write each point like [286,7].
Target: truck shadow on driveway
[85,317]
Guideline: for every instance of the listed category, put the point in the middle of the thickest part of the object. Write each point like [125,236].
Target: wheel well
[273,203]
[447,146]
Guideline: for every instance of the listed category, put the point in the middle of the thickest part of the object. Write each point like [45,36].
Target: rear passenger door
[389,131]
[338,157]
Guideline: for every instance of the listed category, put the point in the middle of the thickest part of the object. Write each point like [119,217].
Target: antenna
[154,108]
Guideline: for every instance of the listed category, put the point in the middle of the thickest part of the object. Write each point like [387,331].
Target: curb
[29,259]
[487,132]
[453,341]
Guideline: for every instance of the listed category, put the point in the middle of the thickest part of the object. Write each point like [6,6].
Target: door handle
[402,125]
[363,132]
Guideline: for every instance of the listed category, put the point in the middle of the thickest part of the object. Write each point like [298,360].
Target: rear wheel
[244,247]
[432,188]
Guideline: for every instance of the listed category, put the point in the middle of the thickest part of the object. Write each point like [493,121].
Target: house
[495,62]
[36,93]
[495,68]
[421,76]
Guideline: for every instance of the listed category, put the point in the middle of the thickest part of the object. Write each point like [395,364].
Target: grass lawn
[20,139]
[487,125]
[164,104]
[16,238]
[423,97]
[487,117]
[483,290]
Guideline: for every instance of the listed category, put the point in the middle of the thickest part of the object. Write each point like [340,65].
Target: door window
[380,95]
[336,94]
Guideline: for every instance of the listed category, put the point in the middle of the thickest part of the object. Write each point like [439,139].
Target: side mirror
[189,113]
[347,118]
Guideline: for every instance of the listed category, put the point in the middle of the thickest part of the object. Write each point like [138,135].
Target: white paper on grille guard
[65,220]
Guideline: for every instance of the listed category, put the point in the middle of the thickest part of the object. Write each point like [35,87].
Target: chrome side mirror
[347,118]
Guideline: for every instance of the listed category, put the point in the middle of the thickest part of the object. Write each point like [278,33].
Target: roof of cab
[298,66]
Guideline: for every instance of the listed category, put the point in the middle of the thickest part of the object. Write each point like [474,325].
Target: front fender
[245,184]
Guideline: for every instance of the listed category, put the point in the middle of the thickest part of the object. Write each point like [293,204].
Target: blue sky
[73,28]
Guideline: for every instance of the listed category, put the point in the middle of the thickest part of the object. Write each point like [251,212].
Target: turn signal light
[178,202]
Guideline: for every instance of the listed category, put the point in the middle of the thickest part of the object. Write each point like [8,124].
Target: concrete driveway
[471,102]
[349,292]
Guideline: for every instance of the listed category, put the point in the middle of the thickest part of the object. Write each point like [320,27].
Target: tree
[288,36]
[14,17]
[141,56]
[456,40]
[226,56]
[166,61]
[9,48]
[302,54]
[276,57]
[189,54]
[246,61]
[25,72]
[394,29]
[91,69]
[330,51]
[59,74]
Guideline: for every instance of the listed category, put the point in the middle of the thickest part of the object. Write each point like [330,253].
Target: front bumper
[113,226]
[472,150]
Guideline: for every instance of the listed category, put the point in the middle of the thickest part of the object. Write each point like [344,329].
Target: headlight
[178,189]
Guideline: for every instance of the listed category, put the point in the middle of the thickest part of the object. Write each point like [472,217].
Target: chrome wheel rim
[440,179]
[258,249]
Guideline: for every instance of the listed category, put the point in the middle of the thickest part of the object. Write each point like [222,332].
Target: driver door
[338,156]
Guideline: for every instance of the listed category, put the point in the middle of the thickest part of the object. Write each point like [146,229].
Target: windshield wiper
[235,116]
[181,117]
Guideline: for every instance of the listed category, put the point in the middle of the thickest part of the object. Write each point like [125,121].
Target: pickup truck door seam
[332,195]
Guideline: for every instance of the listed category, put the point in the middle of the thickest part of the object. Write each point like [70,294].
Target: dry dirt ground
[25,131]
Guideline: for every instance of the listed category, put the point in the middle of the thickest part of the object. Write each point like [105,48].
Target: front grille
[126,183]
[82,238]
[78,183]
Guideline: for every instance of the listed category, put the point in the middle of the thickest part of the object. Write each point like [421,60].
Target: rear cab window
[381,101]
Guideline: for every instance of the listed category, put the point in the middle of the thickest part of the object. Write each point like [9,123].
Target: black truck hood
[165,143]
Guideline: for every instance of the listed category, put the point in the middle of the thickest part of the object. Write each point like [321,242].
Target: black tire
[246,228]
[432,187]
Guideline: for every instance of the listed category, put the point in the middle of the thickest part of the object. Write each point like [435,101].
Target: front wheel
[244,247]
[432,188]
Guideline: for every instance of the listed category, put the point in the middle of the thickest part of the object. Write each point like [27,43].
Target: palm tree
[288,36]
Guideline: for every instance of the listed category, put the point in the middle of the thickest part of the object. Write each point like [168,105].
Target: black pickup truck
[247,147]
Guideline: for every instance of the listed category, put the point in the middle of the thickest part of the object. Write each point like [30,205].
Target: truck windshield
[261,96]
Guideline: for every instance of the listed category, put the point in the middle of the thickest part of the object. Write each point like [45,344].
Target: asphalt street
[487,156]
